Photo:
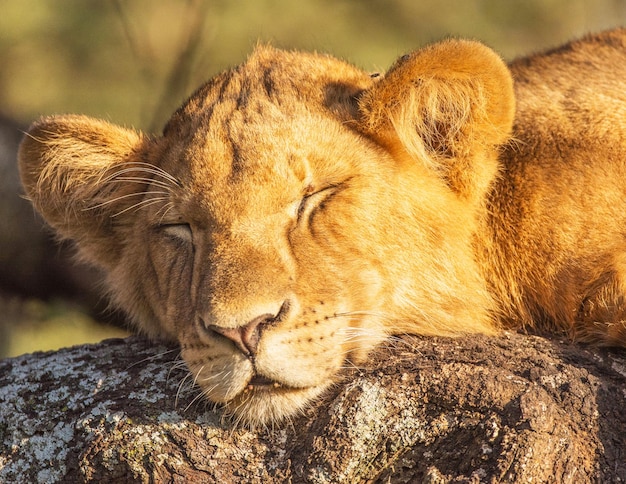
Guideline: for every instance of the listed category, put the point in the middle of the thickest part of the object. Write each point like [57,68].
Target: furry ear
[82,175]
[447,106]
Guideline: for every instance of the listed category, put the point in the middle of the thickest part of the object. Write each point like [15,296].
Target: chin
[263,408]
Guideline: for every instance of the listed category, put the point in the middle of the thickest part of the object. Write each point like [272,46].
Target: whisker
[138,179]
[356,314]
[202,393]
[391,341]
[157,170]
[122,197]
[205,392]
[216,375]
[168,206]
[177,366]
[234,412]
[180,388]
[195,399]
[197,375]
[141,204]
[153,357]
[149,168]
[350,365]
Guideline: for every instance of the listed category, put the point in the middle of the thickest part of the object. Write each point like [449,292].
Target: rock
[510,409]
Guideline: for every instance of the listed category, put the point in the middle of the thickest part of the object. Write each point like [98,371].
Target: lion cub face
[294,213]
[265,248]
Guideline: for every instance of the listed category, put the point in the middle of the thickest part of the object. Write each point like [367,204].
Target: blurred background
[133,62]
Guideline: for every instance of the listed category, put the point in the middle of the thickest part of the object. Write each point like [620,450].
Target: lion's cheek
[300,359]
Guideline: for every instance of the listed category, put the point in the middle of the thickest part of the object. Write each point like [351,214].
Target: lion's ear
[448,106]
[78,172]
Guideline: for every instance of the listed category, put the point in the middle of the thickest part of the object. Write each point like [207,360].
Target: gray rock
[477,409]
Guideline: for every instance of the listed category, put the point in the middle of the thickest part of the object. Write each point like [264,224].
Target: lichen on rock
[514,408]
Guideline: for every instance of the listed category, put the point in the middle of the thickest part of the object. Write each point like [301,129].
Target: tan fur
[340,208]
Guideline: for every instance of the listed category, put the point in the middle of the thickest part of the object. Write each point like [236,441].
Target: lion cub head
[295,212]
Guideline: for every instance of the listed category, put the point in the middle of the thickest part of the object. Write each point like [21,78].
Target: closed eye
[177,231]
[311,202]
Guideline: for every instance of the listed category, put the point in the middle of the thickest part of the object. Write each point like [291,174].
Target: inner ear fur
[81,175]
[448,106]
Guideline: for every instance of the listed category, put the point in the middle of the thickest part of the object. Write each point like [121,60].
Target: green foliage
[134,61]
[33,325]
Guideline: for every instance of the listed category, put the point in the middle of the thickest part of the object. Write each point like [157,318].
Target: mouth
[265,402]
[260,382]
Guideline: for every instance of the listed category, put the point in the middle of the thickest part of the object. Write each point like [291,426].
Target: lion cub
[296,211]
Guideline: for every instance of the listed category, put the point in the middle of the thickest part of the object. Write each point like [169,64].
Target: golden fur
[297,211]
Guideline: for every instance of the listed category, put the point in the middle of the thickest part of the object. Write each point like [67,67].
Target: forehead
[266,117]
[265,122]
[242,142]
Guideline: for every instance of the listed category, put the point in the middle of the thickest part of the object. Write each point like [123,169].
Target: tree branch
[506,409]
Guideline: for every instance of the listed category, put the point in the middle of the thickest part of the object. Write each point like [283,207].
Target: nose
[247,337]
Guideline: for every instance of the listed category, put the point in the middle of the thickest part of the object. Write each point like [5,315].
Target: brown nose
[246,338]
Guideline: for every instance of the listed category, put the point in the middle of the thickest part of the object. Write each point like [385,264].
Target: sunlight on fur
[296,212]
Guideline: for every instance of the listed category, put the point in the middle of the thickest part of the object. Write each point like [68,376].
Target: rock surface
[510,409]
